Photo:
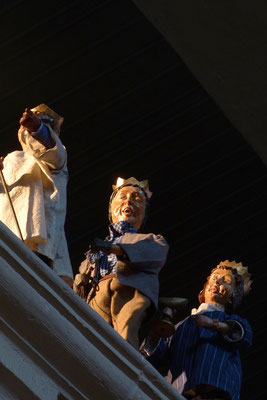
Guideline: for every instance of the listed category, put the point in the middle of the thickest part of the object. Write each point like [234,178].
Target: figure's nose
[129,198]
[222,289]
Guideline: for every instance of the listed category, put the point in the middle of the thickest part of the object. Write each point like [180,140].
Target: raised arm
[41,141]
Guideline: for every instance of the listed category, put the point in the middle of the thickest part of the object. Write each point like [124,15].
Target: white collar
[204,307]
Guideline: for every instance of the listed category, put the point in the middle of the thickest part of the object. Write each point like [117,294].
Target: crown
[43,109]
[243,271]
[134,182]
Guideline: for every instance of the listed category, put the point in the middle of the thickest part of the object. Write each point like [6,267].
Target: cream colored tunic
[37,180]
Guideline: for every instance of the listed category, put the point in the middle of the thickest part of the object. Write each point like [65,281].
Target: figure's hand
[30,120]
[80,280]
[212,324]
[205,322]
[1,163]
[100,245]
[81,285]
[106,247]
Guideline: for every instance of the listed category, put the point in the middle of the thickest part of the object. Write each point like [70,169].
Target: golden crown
[44,109]
[243,271]
[133,181]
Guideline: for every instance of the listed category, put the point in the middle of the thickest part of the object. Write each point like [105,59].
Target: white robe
[37,179]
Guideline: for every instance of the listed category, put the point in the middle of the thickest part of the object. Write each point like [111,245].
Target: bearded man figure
[128,263]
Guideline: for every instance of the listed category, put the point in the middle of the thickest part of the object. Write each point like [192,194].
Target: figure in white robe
[37,178]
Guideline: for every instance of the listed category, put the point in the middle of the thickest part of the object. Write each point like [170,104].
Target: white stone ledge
[53,346]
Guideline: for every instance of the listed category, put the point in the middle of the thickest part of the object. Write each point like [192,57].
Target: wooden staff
[10,202]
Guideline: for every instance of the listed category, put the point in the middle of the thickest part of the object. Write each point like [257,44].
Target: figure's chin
[219,299]
[127,219]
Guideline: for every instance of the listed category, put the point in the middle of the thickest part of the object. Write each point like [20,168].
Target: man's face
[129,204]
[220,287]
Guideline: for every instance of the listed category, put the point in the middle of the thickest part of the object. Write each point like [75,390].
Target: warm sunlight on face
[220,287]
[129,204]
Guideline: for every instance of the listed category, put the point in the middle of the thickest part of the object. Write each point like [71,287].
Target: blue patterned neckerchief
[108,263]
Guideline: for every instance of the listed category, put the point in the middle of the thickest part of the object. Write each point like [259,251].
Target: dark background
[132,108]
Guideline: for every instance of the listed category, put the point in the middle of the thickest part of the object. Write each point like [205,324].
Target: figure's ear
[201,296]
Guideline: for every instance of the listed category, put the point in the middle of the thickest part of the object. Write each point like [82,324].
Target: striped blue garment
[196,355]
[108,263]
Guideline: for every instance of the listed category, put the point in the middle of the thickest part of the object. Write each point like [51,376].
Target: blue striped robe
[196,355]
